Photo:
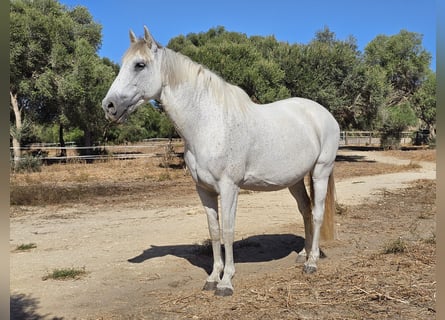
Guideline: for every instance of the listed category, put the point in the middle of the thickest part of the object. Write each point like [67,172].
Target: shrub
[396,246]
[26,247]
[27,163]
[65,274]
[395,120]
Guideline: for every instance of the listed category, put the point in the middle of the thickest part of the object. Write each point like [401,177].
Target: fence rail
[158,147]
[369,138]
[144,149]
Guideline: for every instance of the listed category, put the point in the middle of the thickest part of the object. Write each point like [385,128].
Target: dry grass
[356,281]
[358,284]
[132,179]
[371,287]
[414,155]
[395,246]
[344,170]
[62,183]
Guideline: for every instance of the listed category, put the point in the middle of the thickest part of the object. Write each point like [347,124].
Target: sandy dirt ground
[141,258]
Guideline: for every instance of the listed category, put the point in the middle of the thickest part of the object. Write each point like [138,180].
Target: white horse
[233,143]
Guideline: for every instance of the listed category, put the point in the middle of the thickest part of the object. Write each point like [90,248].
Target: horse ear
[133,38]
[147,37]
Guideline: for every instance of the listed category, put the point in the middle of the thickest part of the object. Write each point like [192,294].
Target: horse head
[139,79]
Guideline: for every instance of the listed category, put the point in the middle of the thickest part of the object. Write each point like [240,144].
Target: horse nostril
[111,109]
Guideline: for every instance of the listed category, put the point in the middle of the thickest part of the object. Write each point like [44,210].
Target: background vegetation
[57,79]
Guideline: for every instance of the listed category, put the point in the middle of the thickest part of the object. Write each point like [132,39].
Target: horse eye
[140,65]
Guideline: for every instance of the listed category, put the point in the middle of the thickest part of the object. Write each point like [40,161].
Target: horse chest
[202,171]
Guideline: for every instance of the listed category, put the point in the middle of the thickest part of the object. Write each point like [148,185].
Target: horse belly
[280,164]
[254,184]
[276,177]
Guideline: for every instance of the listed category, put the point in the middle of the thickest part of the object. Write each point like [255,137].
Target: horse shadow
[260,248]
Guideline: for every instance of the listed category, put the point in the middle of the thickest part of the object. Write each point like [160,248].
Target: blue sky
[293,21]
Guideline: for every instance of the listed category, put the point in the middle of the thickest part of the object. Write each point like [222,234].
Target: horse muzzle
[113,113]
[110,109]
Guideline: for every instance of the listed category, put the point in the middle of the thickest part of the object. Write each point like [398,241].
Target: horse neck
[191,101]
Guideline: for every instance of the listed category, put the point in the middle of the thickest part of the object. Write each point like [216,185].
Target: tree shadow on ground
[22,306]
[261,248]
[352,158]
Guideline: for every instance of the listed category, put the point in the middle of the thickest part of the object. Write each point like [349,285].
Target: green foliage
[408,84]
[355,87]
[74,134]
[60,80]
[236,59]
[50,133]
[83,90]
[326,70]
[146,122]
[26,247]
[65,274]
[404,59]
[424,102]
[166,128]
[27,163]
[55,70]
[395,120]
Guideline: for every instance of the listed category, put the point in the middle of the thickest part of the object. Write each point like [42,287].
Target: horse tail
[327,228]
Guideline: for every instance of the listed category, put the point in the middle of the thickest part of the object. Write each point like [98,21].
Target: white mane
[180,69]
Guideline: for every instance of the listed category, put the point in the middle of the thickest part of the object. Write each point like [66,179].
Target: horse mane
[179,69]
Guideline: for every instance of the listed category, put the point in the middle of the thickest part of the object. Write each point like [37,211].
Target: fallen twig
[379,295]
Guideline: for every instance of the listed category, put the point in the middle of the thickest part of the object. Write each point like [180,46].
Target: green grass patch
[26,247]
[65,274]
[395,246]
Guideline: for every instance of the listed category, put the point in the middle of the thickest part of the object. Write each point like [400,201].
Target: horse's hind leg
[210,203]
[299,192]
[320,179]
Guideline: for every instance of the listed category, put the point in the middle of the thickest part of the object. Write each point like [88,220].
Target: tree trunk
[432,129]
[17,132]
[62,141]
[87,142]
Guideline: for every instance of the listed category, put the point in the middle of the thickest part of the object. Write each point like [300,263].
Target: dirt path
[355,190]
[131,253]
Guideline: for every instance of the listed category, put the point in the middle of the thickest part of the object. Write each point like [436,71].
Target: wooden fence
[369,138]
[50,152]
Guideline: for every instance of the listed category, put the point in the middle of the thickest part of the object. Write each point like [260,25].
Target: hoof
[300,258]
[223,292]
[210,286]
[309,269]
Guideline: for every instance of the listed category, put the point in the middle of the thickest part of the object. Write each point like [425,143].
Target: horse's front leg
[229,199]
[210,203]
